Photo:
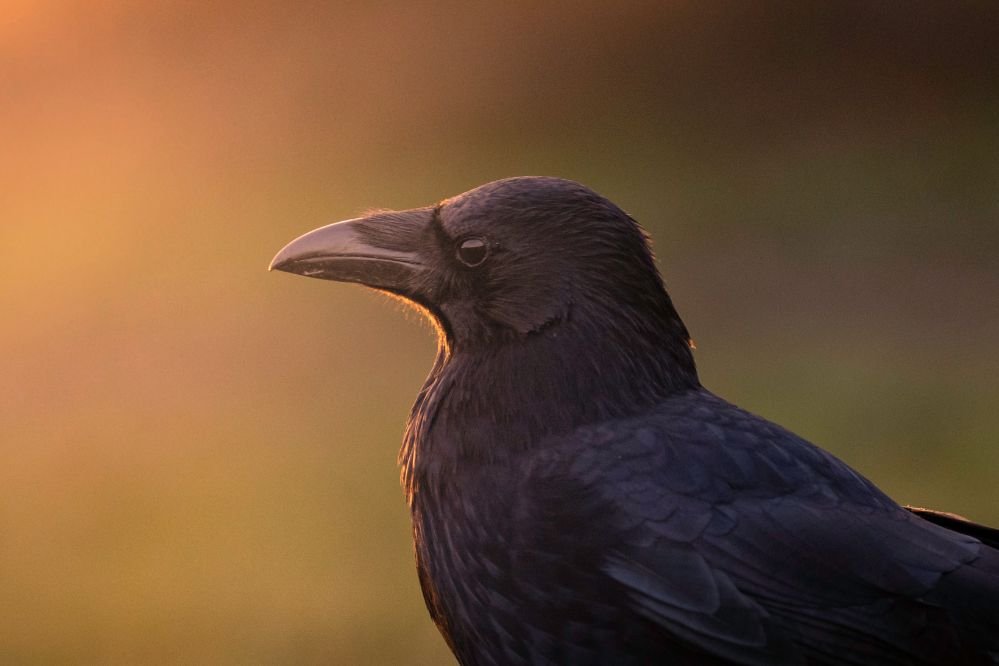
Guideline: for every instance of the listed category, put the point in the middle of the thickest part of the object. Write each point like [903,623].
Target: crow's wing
[952,521]
[741,539]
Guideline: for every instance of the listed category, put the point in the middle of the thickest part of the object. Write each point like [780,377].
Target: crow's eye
[473,251]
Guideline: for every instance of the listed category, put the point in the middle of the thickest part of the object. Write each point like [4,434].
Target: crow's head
[509,259]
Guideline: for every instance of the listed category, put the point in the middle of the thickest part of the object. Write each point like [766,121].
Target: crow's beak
[379,251]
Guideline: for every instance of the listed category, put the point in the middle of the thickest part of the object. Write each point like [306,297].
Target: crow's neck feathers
[609,356]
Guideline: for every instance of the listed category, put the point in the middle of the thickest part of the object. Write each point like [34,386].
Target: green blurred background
[197,458]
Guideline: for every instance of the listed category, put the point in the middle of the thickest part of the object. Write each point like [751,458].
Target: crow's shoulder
[744,540]
[700,446]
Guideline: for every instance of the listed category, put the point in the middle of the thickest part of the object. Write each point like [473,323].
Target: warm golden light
[197,458]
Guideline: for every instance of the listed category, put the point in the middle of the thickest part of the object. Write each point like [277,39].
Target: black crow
[579,498]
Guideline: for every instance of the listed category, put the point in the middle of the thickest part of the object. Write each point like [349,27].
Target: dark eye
[473,251]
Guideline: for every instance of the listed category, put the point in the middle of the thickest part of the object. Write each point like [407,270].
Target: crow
[578,497]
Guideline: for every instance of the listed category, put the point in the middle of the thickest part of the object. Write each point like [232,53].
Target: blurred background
[197,458]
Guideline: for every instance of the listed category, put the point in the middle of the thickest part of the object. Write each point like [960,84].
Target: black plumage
[579,498]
